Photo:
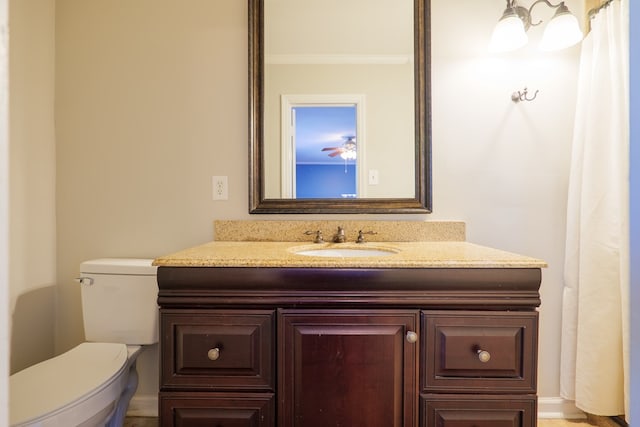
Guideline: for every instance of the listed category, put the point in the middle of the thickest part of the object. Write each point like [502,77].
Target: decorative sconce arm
[562,8]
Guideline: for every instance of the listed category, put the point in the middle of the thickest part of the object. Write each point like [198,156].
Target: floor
[590,422]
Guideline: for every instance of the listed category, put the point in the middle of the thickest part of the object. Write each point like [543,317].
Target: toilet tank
[119,300]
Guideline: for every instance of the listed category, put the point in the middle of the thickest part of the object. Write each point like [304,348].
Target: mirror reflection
[316,61]
[325,153]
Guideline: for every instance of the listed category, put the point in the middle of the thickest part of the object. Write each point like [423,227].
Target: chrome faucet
[318,238]
[339,237]
[361,234]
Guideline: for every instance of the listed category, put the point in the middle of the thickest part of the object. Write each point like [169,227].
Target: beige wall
[151,101]
[500,166]
[5,321]
[32,249]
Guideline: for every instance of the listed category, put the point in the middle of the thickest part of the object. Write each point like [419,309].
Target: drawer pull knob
[484,356]
[412,337]
[213,354]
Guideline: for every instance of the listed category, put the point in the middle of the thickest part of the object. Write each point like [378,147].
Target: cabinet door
[478,411]
[217,350]
[476,352]
[355,368]
[204,409]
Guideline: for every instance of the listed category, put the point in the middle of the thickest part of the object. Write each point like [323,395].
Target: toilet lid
[58,382]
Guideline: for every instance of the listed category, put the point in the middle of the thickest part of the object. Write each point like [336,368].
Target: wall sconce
[510,33]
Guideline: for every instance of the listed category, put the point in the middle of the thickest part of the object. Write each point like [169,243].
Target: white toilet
[92,384]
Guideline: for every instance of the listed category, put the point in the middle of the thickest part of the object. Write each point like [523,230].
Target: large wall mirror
[340,106]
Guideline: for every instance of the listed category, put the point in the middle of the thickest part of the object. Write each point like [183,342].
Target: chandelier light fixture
[349,149]
[510,33]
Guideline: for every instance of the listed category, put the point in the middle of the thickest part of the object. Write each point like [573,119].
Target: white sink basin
[346,252]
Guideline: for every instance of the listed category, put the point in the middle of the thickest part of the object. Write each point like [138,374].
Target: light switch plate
[373,177]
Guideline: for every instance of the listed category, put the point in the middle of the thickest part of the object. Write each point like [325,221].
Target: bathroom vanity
[440,333]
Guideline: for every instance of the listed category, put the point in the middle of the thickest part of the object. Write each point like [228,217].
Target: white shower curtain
[595,305]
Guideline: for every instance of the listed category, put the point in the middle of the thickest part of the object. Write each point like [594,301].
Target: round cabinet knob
[484,356]
[213,354]
[412,337]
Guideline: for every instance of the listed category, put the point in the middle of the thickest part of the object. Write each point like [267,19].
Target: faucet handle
[361,234]
[318,238]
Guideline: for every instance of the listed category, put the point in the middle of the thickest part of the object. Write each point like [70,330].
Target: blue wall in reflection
[325,181]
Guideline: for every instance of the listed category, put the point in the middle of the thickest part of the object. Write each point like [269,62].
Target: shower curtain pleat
[594,352]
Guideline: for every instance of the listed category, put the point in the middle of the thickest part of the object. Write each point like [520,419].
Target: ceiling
[339,27]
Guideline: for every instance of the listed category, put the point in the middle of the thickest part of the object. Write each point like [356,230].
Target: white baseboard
[558,408]
[143,406]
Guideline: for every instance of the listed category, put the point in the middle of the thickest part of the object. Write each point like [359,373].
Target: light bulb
[348,155]
[509,34]
[561,32]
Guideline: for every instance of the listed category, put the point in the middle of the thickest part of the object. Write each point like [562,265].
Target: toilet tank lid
[63,380]
[141,266]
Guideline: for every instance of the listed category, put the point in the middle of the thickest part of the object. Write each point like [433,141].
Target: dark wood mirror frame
[258,204]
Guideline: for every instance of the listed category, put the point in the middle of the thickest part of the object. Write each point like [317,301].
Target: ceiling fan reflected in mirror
[347,150]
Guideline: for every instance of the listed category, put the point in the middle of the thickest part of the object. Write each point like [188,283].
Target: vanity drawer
[217,349]
[478,411]
[484,351]
[220,410]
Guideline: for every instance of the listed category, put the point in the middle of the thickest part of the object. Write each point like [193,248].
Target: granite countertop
[431,254]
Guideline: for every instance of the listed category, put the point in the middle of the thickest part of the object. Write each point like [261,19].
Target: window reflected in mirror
[320,151]
[324,137]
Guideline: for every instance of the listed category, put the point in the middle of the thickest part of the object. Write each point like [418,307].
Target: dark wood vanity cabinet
[329,347]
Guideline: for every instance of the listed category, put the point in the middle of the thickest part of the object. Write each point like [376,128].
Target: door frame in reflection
[288,142]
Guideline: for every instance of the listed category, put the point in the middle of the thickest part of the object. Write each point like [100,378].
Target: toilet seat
[71,389]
